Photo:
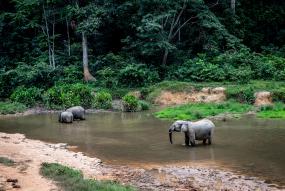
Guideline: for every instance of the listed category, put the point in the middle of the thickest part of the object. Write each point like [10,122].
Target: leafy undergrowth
[275,111]
[72,180]
[6,161]
[202,110]
[11,107]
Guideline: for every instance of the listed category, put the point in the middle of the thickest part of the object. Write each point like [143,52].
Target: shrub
[27,96]
[197,70]
[109,60]
[11,107]
[66,95]
[201,70]
[6,161]
[240,75]
[137,75]
[130,103]
[103,100]
[107,77]
[241,94]
[70,74]
[279,95]
[144,105]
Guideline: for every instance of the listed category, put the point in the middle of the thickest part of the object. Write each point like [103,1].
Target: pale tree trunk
[172,33]
[46,32]
[68,37]
[53,53]
[233,6]
[87,75]
[51,45]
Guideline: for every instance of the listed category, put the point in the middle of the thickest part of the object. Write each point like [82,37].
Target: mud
[205,95]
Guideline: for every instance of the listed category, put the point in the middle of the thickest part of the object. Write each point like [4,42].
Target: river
[248,145]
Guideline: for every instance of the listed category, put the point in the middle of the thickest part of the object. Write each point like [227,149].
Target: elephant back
[78,112]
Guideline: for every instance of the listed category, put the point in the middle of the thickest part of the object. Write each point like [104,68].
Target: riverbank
[42,110]
[30,154]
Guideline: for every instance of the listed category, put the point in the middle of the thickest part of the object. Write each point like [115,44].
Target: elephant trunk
[170,136]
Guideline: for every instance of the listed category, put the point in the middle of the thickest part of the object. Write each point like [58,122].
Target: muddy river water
[248,145]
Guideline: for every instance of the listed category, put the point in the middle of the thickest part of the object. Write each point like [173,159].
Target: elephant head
[177,127]
[65,117]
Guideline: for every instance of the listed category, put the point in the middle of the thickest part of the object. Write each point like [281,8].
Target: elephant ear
[184,127]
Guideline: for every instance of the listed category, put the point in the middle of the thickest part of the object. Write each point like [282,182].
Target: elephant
[78,112]
[65,117]
[199,130]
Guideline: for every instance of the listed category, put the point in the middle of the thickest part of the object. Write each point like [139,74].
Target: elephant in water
[78,112]
[65,117]
[199,130]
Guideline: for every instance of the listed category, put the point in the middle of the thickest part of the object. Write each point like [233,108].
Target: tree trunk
[164,61]
[68,37]
[48,37]
[53,53]
[233,6]
[87,75]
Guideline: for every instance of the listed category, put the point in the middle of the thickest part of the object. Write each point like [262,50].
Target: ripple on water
[248,145]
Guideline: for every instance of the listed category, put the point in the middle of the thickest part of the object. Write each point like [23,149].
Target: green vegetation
[11,107]
[67,95]
[72,180]
[130,103]
[275,111]
[103,100]
[144,105]
[27,96]
[6,161]
[180,46]
[202,110]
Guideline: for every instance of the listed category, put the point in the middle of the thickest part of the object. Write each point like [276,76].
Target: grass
[11,107]
[72,180]
[202,110]
[6,161]
[275,111]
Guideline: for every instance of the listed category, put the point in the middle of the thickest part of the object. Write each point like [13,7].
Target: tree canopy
[138,42]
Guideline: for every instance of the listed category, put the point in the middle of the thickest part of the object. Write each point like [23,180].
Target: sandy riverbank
[29,154]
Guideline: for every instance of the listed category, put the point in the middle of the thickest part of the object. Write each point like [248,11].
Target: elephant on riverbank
[65,117]
[78,112]
[199,130]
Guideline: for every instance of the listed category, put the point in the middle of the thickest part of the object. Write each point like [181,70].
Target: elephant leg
[186,139]
[210,140]
[204,141]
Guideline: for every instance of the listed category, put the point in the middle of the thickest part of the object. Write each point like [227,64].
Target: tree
[49,19]
[233,6]
[160,29]
[88,18]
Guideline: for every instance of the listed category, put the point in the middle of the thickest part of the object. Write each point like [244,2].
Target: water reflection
[247,145]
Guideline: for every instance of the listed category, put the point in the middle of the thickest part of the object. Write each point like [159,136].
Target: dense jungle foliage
[47,45]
